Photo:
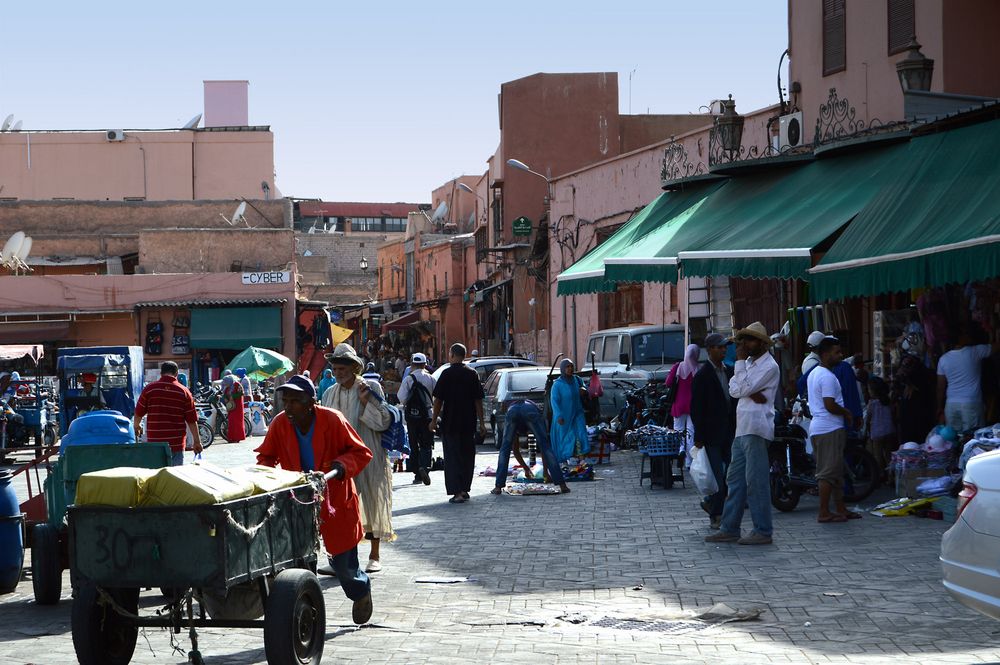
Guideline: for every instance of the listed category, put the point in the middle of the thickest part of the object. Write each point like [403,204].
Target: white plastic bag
[701,473]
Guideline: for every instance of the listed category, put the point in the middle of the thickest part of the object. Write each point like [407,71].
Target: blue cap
[300,384]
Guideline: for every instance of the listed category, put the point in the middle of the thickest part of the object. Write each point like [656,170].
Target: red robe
[334,440]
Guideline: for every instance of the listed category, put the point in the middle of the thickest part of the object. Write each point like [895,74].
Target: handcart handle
[333,473]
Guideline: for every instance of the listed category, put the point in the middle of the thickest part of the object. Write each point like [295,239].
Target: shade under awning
[402,322]
[936,222]
[34,333]
[588,274]
[236,328]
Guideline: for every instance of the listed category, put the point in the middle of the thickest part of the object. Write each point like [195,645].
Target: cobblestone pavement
[867,591]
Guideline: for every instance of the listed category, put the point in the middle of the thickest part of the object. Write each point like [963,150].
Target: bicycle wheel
[861,474]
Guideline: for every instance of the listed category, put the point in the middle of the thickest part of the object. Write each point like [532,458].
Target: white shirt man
[959,378]
[821,384]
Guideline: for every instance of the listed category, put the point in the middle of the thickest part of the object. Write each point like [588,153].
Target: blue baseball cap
[301,384]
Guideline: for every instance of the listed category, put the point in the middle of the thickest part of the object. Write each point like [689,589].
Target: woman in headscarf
[363,405]
[241,373]
[569,425]
[325,382]
[232,395]
[682,374]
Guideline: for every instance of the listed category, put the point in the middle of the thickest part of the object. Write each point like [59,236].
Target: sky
[374,101]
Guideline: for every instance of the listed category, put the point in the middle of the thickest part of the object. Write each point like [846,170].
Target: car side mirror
[623,359]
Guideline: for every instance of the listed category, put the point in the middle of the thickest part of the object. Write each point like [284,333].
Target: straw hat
[755,330]
[345,354]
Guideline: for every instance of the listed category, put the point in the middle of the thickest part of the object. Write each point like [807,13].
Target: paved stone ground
[608,550]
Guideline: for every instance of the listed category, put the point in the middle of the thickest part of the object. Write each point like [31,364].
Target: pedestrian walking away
[754,383]
[569,422]
[416,396]
[830,420]
[169,411]
[458,402]
[308,437]
[521,416]
[352,396]
[713,412]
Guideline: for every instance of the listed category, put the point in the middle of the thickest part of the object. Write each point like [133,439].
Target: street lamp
[465,188]
[915,70]
[364,265]
[729,126]
[521,166]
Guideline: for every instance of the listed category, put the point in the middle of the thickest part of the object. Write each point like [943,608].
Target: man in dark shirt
[458,401]
[713,413]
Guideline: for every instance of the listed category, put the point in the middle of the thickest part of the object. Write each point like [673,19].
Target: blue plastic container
[11,536]
[98,427]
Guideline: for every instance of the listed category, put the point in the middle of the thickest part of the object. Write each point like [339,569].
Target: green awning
[768,225]
[236,328]
[643,262]
[936,222]
[587,274]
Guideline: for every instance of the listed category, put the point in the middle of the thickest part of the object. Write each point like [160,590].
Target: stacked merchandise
[985,440]
[914,465]
[189,485]
[655,441]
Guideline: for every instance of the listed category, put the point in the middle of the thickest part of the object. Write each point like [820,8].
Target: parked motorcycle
[213,417]
[793,470]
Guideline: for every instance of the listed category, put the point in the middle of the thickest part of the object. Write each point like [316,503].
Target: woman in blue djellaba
[569,425]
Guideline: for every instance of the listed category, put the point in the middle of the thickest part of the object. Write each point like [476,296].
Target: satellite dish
[193,122]
[440,212]
[12,246]
[25,249]
[17,126]
[240,210]
[6,122]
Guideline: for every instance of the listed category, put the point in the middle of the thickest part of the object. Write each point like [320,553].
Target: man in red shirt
[169,409]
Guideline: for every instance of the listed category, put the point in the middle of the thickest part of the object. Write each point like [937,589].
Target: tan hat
[755,330]
[345,354]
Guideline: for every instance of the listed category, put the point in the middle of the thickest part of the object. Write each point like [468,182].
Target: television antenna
[192,123]
[15,252]
[238,215]
[17,126]
[6,122]
[440,212]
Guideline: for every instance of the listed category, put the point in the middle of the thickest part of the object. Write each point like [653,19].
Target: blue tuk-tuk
[113,373]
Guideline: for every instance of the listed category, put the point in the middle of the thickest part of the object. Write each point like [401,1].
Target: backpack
[395,437]
[418,405]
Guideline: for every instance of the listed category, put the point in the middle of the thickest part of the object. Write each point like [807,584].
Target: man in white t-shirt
[828,431]
[960,393]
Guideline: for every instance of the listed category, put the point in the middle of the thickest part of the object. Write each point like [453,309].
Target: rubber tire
[100,635]
[205,433]
[294,595]
[46,565]
[247,424]
[869,465]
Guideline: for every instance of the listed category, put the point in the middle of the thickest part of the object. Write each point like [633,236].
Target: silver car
[970,550]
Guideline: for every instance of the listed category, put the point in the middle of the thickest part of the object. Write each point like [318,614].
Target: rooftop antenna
[440,212]
[193,122]
[237,215]
[17,126]
[6,122]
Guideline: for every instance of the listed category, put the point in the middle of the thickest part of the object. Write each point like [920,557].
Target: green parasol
[261,364]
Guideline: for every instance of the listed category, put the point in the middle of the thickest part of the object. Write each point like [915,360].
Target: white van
[632,355]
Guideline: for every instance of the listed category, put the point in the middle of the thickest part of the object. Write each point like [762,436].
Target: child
[879,423]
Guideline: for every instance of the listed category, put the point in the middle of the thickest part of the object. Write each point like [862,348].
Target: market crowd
[728,410]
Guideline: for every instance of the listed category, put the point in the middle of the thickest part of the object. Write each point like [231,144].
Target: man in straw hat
[309,437]
[755,381]
[363,404]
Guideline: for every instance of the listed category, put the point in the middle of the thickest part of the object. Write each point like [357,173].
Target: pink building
[212,162]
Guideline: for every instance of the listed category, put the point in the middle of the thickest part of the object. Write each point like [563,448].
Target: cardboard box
[908,481]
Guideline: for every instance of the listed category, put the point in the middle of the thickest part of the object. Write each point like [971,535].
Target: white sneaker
[373,566]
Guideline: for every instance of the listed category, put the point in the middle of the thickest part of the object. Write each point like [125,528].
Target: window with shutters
[834,37]
[902,26]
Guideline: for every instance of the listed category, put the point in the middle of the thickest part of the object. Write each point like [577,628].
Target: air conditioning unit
[116,135]
[790,131]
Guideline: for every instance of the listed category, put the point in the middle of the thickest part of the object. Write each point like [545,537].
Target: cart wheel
[101,636]
[46,566]
[295,619]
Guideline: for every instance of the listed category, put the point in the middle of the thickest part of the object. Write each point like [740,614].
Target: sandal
[851,515]
[835,518]
[457,499]
[496,491]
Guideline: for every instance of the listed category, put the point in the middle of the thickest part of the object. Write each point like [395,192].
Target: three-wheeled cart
[229,564]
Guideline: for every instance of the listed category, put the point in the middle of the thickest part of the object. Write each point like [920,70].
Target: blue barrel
[11,536]
[98,427]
